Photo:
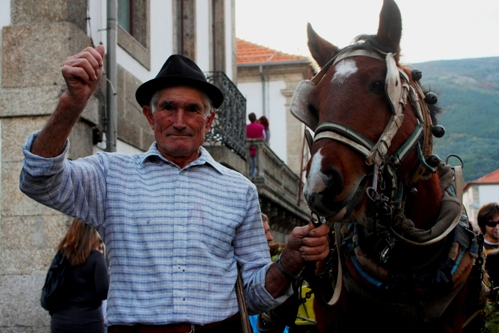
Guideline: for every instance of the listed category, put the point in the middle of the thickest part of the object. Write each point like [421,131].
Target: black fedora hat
[177,71]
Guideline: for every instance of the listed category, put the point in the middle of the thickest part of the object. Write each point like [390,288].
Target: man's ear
[209,121]
[147,111]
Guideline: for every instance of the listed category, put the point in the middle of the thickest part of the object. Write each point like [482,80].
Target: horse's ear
[390,27]
[320,48]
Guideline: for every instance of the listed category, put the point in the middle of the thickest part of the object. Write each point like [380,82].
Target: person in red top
[254,130]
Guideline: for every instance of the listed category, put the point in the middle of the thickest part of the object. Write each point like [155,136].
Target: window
[125,15]
[133,29]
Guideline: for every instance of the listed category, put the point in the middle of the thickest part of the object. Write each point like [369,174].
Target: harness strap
[459,188]
[339,277]
[396,92]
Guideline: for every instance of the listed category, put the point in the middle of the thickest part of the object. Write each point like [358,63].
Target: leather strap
[241,301]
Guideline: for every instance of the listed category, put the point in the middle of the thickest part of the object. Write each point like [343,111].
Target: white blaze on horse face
[315,183]
[343,70]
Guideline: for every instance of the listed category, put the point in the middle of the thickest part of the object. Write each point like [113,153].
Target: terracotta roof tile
[490,178]
[251,53]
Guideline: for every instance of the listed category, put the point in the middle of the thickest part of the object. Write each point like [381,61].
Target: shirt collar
[204,158]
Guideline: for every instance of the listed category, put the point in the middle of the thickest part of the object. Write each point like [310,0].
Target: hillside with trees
[468,91]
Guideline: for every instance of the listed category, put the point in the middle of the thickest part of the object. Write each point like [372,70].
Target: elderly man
[176,223]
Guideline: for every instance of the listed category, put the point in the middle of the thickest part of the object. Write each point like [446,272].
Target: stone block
[26,12]
[33,54]
[80,141]
[14,202]
[29,100]
[129,132]
[14,132]
[133,127]
[39,101]
[20,303]
[28,243]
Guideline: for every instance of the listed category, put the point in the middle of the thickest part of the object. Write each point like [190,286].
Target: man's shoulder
[232,177]
[230,173]
[120,156]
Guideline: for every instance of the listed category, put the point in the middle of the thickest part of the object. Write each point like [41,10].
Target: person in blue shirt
[176,224]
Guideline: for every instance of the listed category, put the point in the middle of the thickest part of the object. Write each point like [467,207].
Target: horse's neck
[423,207]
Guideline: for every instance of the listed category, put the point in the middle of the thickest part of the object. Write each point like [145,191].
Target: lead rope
[241,301]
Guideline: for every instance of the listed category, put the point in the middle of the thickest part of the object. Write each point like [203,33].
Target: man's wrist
[284,272]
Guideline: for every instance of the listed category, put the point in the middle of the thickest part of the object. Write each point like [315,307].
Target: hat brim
[145,92]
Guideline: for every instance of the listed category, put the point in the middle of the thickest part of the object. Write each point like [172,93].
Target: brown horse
[404,257]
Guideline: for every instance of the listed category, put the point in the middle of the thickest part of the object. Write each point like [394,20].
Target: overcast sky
[431,29]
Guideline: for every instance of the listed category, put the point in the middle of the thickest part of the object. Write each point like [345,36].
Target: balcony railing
[229,127]
[276,181]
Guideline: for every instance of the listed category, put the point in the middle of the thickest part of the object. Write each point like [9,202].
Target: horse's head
[371,122]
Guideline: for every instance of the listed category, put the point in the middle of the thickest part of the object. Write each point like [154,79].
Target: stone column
[41,36]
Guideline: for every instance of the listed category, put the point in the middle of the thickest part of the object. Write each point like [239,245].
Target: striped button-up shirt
[174,236]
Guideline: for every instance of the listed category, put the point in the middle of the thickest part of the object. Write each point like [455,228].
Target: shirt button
[179,261]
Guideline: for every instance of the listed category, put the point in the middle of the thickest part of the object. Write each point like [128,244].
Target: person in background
[101,249]
[265,122]
[488,221]
[266,228]
[274,253]
[254,130]
[177,224]
[85,285]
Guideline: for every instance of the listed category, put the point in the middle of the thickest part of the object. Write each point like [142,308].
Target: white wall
[4,13]
[275,104]
[229,37]
[203,29]
[4,21]
[486,193]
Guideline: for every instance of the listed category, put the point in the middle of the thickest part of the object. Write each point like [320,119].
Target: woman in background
[86,283]
[265,122]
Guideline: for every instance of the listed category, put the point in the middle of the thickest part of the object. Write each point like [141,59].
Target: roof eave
[279,63]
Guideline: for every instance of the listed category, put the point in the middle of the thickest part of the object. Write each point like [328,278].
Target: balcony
[228,128]
[279,189]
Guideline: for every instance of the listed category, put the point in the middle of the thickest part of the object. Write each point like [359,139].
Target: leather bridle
[399,91]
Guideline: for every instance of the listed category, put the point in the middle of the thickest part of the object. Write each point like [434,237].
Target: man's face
[492,229]
[179,123]
[268,235]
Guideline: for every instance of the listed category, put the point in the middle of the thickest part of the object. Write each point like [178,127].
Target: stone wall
[41,36]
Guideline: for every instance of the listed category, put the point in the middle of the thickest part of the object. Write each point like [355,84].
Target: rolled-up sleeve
[75,189]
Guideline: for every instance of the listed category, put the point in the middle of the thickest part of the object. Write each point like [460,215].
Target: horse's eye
[378,86]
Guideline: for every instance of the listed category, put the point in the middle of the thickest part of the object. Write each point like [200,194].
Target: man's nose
[178,116]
